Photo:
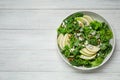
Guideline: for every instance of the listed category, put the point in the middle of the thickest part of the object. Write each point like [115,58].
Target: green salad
[83,40]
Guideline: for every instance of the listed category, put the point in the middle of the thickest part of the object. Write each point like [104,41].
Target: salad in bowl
[85,40]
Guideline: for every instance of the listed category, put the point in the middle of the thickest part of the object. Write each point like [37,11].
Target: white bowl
[112,41]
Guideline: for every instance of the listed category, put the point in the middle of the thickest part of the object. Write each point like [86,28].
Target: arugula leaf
[80,62]
[102,55]
[97,61]
[105,35]
[76,52]
[71,17]
[66,51]
[70,23]
[96,25]
[93,41]
[102,35]
[104,46]
[108,34]
[86,30]
[76,43]
[72,40]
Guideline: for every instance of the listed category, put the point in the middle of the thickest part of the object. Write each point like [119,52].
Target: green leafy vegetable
[96,25]
[80,62]
[96,33]
[62,30]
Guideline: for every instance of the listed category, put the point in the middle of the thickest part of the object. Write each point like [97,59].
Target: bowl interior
[99,18]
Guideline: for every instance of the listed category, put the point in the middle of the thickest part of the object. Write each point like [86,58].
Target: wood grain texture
[32,39]
[57,76]
[28,39]
[45,61]
[47,19]
[59,4]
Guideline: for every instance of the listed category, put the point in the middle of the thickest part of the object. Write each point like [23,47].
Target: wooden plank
[27,39]
[35,50]
[57,76]
[46,19]
[20,44]
[59,4]
[45,61]
[33,39]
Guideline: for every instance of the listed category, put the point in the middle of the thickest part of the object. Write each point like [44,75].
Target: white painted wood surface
[28,35]
[59,4]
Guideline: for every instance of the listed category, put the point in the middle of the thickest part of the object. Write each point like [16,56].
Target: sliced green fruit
[87,51]
[87,57]
[83,20]
[60,40]
[83,53]
[65,40]
[92,48]
[59,37]
[81,24]
[88,18]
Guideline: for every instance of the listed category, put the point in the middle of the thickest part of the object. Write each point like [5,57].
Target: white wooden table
[28,35]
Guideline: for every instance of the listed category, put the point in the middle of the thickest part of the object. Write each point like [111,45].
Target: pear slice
[59,37]
[87,51]
[87,58]
[80,23]
[83,53]
[92,48]
[83,20]
[65,40]
[88,18]
[60,40]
